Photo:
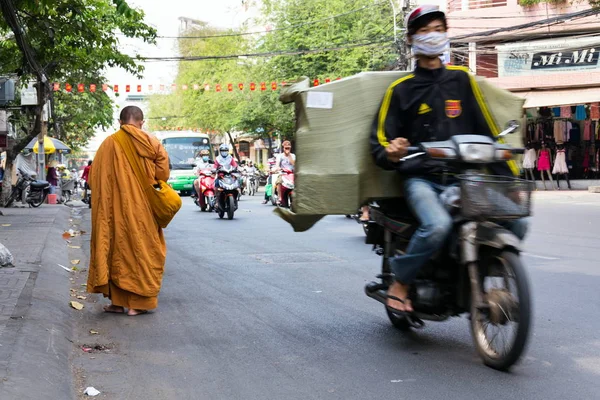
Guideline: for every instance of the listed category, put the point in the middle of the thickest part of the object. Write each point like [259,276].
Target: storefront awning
[552,98]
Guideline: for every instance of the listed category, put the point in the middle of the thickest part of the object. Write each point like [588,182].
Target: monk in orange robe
[128,249]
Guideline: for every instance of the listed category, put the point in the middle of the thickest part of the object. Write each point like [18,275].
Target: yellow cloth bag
[164,201]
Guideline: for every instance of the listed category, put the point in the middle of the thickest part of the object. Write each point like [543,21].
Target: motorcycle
[29,190]
[252,184]
[207,190]
[287,187]
[274,196]
[227,192]
[479,271]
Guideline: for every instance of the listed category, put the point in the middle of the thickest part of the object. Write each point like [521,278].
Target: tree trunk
[235,152]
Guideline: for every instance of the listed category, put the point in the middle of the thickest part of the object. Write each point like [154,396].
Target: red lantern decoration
[127,88]
[56,86]
[273,85]
[196,86]
[338,79]
[93,88]
[116,88]
[174,86]
[207,87]
[184,87]
[149,88]
[218,88]
[252,86]
[327,80]
[104,87]
[316,82]
[162,87]
[80,87]
[139,88]
[263,86]
[230,87]
[241,86]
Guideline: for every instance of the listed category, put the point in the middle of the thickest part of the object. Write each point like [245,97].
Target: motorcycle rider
[271,166]
[287,160]
[433,103]
[201,162]
[224,159]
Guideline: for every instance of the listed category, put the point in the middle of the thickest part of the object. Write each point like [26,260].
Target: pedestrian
[85,176]
[128,249]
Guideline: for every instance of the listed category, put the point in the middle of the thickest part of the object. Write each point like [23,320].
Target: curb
[39,366]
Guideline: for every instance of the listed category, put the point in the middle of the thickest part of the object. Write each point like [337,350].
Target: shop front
[560,82]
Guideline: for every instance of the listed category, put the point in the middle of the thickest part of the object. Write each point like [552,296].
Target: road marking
[542,257]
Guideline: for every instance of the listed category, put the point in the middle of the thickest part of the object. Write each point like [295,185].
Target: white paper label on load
[319,100]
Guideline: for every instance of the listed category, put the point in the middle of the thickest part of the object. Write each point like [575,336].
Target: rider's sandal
[395,310]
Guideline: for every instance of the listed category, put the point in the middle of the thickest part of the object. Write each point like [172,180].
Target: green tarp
[335,172]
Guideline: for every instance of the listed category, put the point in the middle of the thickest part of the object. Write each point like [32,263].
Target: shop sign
[549,56]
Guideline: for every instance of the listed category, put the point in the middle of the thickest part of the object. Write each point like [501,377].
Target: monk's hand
[397,149]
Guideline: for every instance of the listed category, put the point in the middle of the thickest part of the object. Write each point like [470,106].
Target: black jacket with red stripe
[431,105]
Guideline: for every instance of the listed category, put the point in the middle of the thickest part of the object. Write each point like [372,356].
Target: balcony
[463,5]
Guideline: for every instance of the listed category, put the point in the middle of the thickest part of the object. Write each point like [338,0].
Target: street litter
[75,262]
[96,349]
[6,258]
[81,297]
[91,391]
[65,268]
[93,332]
[6,224]
[74,247]
[76,305]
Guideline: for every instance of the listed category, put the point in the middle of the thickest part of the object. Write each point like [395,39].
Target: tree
[70,41]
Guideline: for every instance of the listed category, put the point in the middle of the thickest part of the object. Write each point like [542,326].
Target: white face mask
[224,154]
[430,44]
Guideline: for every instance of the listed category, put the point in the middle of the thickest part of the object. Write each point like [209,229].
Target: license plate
[188,186]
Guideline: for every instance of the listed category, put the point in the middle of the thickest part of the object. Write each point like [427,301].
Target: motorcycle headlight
[477,153]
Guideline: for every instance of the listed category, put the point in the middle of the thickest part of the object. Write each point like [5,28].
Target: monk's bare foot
[133,313]
[399,291]
[114,309]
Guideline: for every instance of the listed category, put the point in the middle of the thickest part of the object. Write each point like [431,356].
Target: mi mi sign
[581,57]
[549,56]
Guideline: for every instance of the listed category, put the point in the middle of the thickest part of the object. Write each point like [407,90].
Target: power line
[269,54]
[276,29]
[547,21]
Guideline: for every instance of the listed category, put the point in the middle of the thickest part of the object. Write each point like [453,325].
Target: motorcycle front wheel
[231,207]
[501,329]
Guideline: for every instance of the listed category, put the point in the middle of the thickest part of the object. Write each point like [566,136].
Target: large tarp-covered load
[335,172]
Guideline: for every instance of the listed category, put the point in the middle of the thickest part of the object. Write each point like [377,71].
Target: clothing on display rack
[543,162]
[587,130]
[556,112]
[575,134]
[565,112]
[560,163]
[529,159]
[580,113]
[595,111]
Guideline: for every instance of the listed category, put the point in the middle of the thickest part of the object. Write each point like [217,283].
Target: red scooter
[206,199]
[287,187]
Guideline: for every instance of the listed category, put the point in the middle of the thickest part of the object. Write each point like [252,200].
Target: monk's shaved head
[131,114]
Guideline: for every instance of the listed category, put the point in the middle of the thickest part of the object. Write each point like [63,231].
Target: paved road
[251,310]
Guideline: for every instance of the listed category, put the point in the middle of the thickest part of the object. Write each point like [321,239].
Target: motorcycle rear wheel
[504,309]
[38,202]
[231,208]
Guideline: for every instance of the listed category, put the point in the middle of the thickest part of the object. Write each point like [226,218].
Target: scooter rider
[434,102]
[224,159]
[202,162]
[287,160]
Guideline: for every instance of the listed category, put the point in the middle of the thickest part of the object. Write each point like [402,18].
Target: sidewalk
[35,318]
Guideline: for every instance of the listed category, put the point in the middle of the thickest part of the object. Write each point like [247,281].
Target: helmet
[204,153]
[223,147]
[421,16]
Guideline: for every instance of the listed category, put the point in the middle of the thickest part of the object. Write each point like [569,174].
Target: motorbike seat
[39,184]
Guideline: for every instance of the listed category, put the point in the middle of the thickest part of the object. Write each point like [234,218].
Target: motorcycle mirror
[194,165]
[511,127]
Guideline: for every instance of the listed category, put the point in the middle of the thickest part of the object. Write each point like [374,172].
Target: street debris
[75,269]
[73,247]
[81,297]
[93,332]
[75,262]
[6,258]
[95,349]
[91,391]
[6,224]
[76,305]
[65,268]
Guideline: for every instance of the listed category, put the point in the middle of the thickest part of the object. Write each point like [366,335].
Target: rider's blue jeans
[423,197]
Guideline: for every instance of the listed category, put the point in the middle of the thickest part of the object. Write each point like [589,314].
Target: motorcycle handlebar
[412,150]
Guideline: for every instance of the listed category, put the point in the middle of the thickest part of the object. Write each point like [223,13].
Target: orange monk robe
[128,249]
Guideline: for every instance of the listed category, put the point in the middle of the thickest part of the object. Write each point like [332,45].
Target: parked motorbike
[287,187]
[207,190]
[29,190]
[228,192]
[479,271]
